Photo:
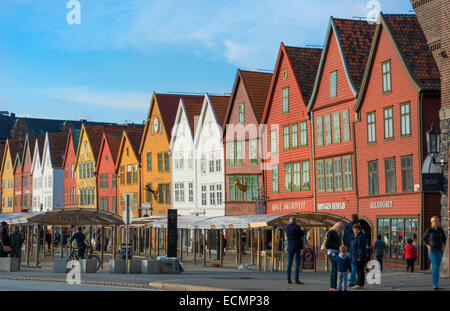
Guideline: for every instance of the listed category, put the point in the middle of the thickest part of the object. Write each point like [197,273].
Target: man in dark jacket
[4,238]
[347,239]
[81,242]
[295,241]
[16,243]
[358,251]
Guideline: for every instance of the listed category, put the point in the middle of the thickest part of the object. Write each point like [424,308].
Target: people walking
[410,253]
[295,241]
[358,251]
[332,244]
[5,241]
[435,240]
[347,239]
[343,266]
[379,248]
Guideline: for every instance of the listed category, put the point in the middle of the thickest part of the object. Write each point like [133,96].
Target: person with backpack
[410,253]
[347,239]
[435,240]
[332,244]
[80,238]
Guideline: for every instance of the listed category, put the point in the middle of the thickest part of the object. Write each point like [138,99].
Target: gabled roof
[57,144]
[16,147]
[193,107]
[410,43]
[2,151]
[95,134]
[114,145]
[30,142]
[256,85]
[354,39]
[220,105]
[134,138]
[168,106]
[304,63]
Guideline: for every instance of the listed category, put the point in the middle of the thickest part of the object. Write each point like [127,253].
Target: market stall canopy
[306,220]
[16,218]
[67,217]
[144,221]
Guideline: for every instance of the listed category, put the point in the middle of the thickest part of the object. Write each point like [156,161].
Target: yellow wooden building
[154,154]
[12,147]
[128,172]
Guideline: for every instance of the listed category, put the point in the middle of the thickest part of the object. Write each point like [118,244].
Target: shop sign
[432,182]
[289,206]
[330,206]
[381,204]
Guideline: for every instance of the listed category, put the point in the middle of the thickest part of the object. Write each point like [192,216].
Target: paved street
[13,285]
[197,277]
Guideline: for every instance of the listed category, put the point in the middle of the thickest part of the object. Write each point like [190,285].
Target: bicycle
[89,254]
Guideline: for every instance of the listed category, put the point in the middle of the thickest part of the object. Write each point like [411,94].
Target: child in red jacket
[410,253]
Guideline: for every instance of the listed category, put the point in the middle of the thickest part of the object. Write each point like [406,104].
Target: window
[212,195]
[395,232]
[373,177]
[191,191]
[320,176]
[105,181]
[273,141]
[327,123]
[285,100]
[85,148]
[274,178]
[166,162]
[329,175]
[345,126]
[294,135]
[287,177]
[167,194]
[149,161]
[336,128]
[219,194]
[405,120]
[113,181]
[333,84]
[148,193]
[160,193]
[100,181]
[389,173]
[319,131]
[113,205]
[241,113]
[211,163]
[303,134]
[204,195]
[239,193]
[386,71]
[128,174]
[218,165]
[388,123]
[232,188]
[286,137]
[407,181]
[371,134]
[230,149]
[305,175]
[348,181]
[253,152]
[337,174]
[297,178]
[251,182]
[239,155]
[203,164]
[160,162]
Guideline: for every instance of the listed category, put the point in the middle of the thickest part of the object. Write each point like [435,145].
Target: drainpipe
[357,119]
[422,199]
[313,164]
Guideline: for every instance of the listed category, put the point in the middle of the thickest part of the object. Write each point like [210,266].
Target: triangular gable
[68,144]
[6,152]
[36,156]
[353,49]
[382,25]
[124,141]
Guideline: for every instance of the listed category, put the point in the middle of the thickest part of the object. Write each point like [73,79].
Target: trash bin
[123,251]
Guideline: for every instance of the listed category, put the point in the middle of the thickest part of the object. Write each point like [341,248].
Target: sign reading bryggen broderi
[381,204]
[330,206]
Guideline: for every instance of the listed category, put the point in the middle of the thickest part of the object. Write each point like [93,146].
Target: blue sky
[106,68]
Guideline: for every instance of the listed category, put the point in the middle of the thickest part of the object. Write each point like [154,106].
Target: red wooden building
[347,47]
[241,137]
[70,180]
[399,100]
[17,170]
[106,166]
[288,155]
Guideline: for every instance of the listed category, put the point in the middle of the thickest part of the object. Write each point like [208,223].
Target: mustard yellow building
[85,162]
[12,147]
[154,154]
[128,172]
